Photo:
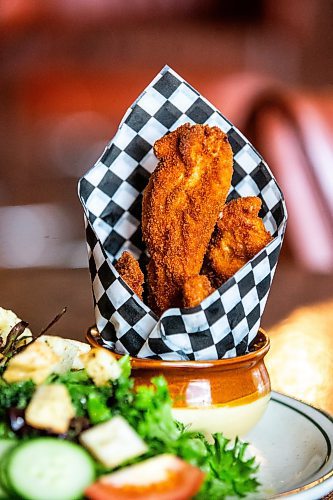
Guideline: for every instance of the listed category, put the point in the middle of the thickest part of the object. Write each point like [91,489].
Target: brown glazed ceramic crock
[227,395]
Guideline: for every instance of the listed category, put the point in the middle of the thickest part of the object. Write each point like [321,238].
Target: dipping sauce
[233,419]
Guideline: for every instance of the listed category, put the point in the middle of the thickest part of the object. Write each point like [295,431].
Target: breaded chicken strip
[239,235]
[181,204]
[161,288]
[130,271]
[195,290]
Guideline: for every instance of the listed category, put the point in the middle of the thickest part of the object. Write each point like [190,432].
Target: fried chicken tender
[239,235]
[129,269]
[162,289]
[181,204]
[195,290]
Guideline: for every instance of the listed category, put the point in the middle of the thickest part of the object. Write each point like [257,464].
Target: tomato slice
[165,477]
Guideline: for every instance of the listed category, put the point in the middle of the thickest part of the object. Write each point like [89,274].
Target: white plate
[293,444]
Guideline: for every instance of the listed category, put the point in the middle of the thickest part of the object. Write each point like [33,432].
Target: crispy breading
[129,269]
[161,285]
[195,290]
[181,204]
[239,235]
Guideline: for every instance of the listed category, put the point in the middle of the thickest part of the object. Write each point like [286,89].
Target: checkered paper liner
[227,321]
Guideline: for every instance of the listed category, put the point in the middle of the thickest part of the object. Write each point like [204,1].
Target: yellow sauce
[232,419]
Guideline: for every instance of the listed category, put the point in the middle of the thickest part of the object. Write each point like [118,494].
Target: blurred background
[70,69]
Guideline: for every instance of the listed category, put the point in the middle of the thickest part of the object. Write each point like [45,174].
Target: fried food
[195,290]
[130,271]
[181,204]
[162,289]
[239,235]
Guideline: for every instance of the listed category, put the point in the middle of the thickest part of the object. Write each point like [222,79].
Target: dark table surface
[38,294]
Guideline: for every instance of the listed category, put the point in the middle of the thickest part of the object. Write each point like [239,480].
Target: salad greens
[149,411]
[228,473]
[15,395]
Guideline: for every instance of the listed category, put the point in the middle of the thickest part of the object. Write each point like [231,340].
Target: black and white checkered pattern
[111,193]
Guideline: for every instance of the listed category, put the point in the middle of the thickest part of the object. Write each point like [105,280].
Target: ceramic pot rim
[260,350]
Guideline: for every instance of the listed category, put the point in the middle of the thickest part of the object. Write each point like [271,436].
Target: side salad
[73,426]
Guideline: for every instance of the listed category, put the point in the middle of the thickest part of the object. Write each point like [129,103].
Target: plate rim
[329,475]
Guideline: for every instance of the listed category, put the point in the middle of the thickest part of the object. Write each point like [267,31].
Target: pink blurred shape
[293,130]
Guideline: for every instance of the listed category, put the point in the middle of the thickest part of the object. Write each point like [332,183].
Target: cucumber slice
[6,445]
[49,468]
